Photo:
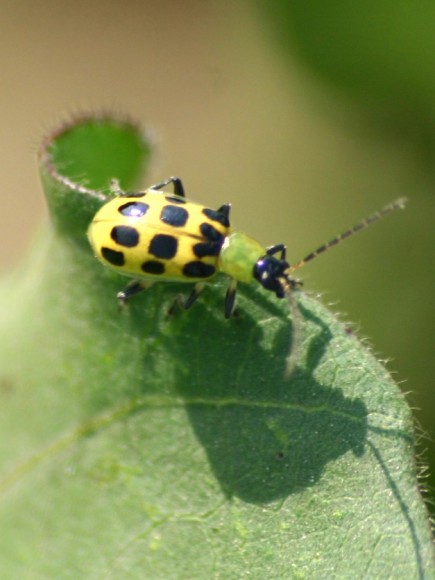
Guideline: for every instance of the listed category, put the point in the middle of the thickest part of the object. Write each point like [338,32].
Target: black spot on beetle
[113,256]
[216,216]
[153,267]
[133,209]
[163,246]
[174,216]
[198,269]
[203,249]
[125,236]
[211,233]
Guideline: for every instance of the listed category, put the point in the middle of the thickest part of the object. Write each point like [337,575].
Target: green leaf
[78,161]
[140,446]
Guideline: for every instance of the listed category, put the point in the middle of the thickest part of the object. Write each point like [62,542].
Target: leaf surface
[140,446]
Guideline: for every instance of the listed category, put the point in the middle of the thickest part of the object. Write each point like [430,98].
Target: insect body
[156,235]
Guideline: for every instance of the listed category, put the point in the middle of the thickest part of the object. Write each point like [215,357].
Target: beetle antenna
[290,284]
[390,208]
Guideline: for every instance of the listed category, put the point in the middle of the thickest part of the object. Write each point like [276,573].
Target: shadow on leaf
[265,437]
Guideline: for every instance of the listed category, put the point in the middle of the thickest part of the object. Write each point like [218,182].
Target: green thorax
[239,255]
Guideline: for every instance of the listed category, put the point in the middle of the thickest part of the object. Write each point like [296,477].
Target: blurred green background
[305,115]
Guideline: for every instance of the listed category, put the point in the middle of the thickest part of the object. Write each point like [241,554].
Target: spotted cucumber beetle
[155,235]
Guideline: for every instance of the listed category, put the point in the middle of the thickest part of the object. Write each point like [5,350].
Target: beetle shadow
[264,443]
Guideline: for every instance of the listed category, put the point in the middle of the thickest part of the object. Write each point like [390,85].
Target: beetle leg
[176,181]
[133,288]
[277,248]
[180,302]
[197,289]
[225,210]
